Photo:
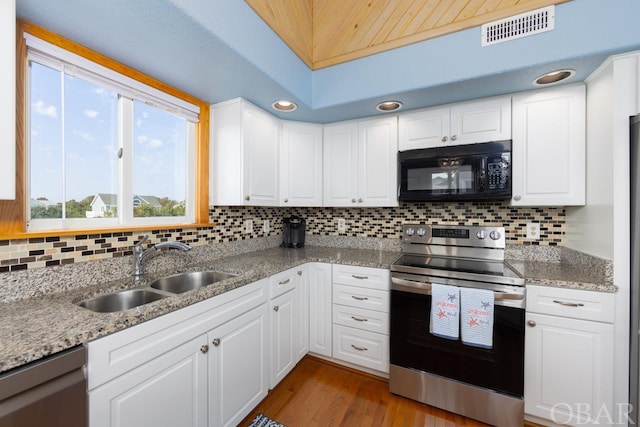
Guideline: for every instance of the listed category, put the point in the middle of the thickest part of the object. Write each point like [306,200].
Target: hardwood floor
[319,393]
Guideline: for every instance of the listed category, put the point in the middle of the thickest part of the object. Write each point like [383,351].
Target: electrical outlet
[248,226]
[533,231]
[266,227]
[342,225]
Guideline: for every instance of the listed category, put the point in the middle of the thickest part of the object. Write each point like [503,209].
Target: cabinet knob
[531,323]
[517,198]
[454,137]
[246,198]
[216,342]
[299,272]
[353,200]
[445,138]
[276,308]
[204,348]
[360,200]
[286,200]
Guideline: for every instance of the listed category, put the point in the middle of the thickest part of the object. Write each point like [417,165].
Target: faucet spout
[140,256]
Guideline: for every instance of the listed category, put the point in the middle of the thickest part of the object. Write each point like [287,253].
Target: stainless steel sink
[188,281]
[120,301]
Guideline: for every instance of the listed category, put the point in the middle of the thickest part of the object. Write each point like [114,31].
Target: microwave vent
[518,26]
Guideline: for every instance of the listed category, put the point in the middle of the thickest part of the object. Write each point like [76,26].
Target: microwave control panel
[498,172]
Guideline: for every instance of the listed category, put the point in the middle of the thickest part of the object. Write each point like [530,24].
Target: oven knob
[410,231]
[482,234]
[495,235]
[421,232]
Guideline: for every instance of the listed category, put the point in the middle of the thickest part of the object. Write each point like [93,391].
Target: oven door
[500,368]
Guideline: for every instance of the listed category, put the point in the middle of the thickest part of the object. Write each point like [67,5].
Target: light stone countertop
[36,327]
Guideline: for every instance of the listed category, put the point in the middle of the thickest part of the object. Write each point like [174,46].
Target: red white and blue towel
[445,309]
[476,317]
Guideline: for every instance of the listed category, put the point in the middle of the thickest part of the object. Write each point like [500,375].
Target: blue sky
[90,129]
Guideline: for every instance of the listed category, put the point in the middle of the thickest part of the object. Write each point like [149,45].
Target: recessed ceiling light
[282,105]
[553,77]
[386,106]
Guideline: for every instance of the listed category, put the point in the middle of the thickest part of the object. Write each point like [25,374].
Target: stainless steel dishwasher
[48,393]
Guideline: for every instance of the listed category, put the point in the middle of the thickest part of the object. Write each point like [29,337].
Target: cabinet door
[481,121]
[301,311]
[340,166]
[378,162]
[568,369]
[282,320]
[301,164]
[549,147]
[8,102]
[261,148]
[238,367]
[170,390]
[424,129]
[319,276]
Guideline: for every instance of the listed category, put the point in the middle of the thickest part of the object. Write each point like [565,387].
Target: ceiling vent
[515,27]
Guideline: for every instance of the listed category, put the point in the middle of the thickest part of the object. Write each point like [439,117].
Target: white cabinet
[549,147]
[361,316]
[301,164]
[569,358]
[462,123]
[8,101]
[360,163]
[289,321]
[320,335]
[244,155]
[185,367]
[238,351]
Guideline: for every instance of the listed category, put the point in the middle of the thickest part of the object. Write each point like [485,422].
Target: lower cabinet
[569,356]
[206,364]
[320,336]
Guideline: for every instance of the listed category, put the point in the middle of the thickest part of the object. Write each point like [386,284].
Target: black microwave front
[457,172]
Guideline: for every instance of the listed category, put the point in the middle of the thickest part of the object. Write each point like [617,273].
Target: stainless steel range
[482,376]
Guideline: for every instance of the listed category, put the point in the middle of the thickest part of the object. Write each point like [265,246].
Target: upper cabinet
[462,123]
[7,103]
[244,159]
[360,163]
[548,151]
[301,164]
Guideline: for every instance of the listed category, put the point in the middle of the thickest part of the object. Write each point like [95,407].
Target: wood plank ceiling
[328,32]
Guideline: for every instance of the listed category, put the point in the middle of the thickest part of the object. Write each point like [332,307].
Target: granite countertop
[36,327]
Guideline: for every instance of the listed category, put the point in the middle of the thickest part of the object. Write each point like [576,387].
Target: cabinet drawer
[366,277]
[361,347]
[369,299]
[573,303]
[368,320]
[283,282]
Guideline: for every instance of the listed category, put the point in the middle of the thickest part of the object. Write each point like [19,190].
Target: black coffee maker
[294,229]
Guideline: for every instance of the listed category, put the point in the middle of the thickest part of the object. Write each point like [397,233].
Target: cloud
[84,135]
[45,110]
[91,114]
[150,143]
[155,143]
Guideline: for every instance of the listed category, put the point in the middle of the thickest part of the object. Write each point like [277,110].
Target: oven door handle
[425,288]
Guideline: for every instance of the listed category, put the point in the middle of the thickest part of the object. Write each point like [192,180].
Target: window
[104,150]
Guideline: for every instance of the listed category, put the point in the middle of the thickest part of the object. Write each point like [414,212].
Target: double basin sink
[158,289]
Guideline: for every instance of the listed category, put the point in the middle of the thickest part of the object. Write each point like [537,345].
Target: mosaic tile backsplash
[229,226]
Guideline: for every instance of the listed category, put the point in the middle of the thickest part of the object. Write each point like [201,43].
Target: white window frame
[129,90]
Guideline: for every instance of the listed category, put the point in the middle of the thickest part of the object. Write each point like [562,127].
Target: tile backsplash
[229,226]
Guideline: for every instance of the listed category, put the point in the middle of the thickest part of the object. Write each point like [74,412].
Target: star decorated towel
[445,311]
[476,316]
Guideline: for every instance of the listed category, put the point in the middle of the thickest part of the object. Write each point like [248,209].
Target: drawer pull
[359,319]
[359,298]
[359,277]
[284,282]
[359,348]
[569,304]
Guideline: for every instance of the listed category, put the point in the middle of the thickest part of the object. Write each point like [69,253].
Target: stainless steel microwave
[457,172]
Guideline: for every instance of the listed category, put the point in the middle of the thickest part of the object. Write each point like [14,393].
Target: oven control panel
[454,235]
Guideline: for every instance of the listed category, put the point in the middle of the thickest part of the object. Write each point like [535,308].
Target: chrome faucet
[140,256]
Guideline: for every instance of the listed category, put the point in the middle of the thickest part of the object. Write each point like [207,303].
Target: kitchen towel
[445,311]
[476,316]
